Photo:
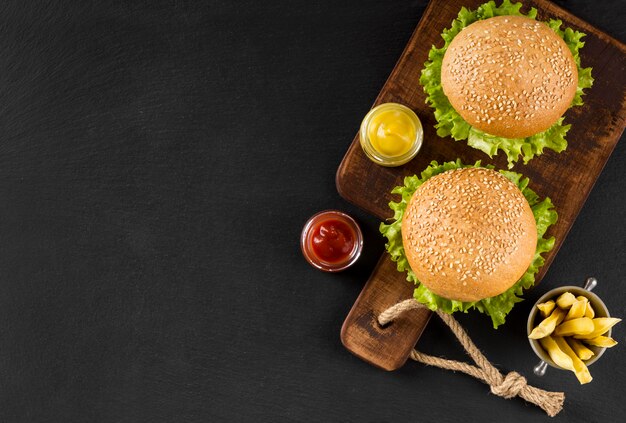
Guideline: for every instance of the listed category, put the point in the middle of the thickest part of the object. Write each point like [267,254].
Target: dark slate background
[157,162]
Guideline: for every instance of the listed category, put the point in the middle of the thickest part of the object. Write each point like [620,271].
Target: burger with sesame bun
[502,80]
[469,237]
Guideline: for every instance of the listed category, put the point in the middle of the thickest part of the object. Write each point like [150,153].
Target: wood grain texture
[363,336]
[567,178]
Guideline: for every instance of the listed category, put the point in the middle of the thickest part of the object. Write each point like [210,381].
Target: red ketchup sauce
[331,241]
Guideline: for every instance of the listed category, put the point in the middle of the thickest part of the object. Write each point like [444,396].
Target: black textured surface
[157,162]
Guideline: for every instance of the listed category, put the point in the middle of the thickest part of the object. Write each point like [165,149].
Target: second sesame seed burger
[469,234]
[503,80]
[469,237]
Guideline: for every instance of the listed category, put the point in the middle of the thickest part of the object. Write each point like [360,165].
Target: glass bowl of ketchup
[331,241]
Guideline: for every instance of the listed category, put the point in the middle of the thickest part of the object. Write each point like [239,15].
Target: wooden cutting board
[567,178]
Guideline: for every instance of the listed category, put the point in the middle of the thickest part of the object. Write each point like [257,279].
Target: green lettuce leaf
[450,123]
[496,307]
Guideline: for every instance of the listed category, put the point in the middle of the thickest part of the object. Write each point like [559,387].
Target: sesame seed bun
[509,76]
[469,234]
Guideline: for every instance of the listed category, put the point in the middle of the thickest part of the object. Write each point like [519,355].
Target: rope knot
[511,385]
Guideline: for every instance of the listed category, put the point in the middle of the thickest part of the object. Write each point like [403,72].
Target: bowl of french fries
[570,328]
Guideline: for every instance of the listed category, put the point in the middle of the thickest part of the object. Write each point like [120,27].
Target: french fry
[560,358]
[565,300]
[589,311]
[580,369]
[580,326]
[577,309]
[580,349]
[601,341]
[546,308]
[587,304]
[547,325]
[600,326]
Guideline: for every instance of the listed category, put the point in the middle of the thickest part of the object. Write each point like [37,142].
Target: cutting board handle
[385,347]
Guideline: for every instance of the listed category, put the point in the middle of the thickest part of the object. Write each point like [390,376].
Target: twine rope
[509,386]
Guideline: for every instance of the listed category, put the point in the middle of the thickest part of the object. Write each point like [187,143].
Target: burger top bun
[509,76]
[469,234]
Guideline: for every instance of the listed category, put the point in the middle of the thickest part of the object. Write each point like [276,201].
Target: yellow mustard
[391,134]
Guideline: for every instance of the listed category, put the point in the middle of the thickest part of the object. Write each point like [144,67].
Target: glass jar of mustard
[391,134]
